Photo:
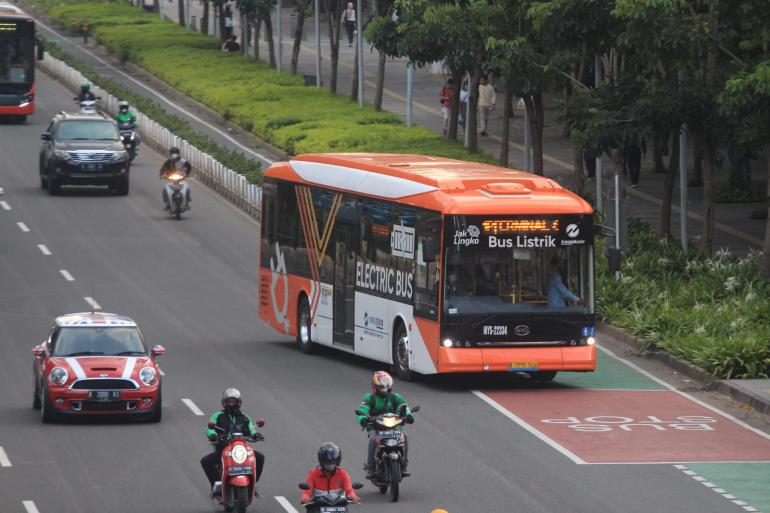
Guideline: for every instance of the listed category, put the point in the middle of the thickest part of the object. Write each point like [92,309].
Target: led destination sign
[534,232]
[504,226]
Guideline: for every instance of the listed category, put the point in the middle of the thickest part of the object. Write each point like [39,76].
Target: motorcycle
[88,106]
[389,451]
[176,197]
[129,139]
[238,486]
[329,501]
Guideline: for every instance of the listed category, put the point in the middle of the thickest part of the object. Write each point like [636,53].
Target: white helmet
[231,393]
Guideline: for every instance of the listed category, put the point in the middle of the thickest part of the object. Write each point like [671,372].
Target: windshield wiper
[105,139]
[128,353]
[84,353]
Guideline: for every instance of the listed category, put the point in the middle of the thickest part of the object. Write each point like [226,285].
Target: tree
[204,17]
[260,12]
[180,5]
[334,19]
[381,33]
[301,8]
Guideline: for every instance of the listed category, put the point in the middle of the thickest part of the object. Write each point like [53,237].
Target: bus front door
[344,285]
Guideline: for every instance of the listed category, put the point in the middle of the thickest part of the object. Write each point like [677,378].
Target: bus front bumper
[25,109]
[504,359]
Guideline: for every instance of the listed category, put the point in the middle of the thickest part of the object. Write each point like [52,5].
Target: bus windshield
[17,59]
[489,271]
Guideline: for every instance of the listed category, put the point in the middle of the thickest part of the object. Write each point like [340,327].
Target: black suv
[83,149]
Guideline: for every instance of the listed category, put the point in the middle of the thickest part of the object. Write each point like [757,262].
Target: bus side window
[426,279]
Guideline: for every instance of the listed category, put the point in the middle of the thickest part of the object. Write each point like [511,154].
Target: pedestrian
[349,19]
[228,21]
[487,99]
[231,45]
[632,158]
[463,104]
[445,98]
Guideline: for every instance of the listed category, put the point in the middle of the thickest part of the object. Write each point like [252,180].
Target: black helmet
[329,456]
[231,393]
[173,150]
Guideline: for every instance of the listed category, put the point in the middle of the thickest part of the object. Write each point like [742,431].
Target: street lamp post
[279,34]
[360,52]
[599,158]
[317,46]
[409,88]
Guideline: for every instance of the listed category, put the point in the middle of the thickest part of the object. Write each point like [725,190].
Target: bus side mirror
[40,49]
[429,250]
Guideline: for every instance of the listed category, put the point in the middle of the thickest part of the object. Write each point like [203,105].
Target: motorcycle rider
[85,93]
[126,120]
[379,401]
[232,420]
[175,163]
[328,475]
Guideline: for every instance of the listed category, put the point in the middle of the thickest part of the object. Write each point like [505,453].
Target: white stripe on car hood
[129,368]
[76,368]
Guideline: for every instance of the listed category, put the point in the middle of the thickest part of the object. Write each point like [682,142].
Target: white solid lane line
[22,226]
[5,205]
[92,303]
[44,250]
[193,407]
[285,504]
[30,507]
[66,274]
[4,461]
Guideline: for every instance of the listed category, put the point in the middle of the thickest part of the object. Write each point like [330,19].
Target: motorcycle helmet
[231,393]
[329,456]
[382,383]
[123,107]
[174,151]
[85,87]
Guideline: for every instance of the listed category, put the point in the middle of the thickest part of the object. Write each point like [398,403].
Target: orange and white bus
[17,62]
[429,264]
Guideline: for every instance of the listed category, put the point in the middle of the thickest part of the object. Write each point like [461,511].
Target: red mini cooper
[96,363]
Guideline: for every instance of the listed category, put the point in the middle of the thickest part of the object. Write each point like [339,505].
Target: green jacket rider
[125,115]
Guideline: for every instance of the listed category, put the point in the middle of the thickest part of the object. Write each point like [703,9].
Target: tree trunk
[580,181]
[507,111]
[473,89]
[658,145]
[301,12]
[537,122]
[454,110]
[182,20]
[257,32]
[354,87]
[270,42]
[668,189]
[221,21]
[205,19]
[380,81]
[334,17]
[697,172]
[764,263]
[708,205]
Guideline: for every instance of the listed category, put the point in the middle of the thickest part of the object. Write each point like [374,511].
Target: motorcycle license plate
[233,471]
[333,509]
[104,395]
[389,435]
[524,366]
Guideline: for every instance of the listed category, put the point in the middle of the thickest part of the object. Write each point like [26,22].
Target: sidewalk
[734,229]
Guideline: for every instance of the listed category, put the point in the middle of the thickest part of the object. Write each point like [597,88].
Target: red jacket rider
[328,475]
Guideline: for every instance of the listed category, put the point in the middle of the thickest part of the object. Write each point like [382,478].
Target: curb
[722,386]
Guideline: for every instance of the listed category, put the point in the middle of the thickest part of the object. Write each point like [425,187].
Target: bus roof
[447,185]
[7,9]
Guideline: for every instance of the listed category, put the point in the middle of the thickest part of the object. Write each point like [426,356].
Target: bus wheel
[401,353]
[304,334]
[542,376]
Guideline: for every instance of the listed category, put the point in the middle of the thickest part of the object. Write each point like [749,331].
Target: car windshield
[86,130]
[16,60]
[84,341]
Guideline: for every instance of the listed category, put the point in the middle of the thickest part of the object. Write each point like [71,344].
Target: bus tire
[401,353]
[542,376]
[304,328]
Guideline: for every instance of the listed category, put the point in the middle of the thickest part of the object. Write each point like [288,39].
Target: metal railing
[206,169]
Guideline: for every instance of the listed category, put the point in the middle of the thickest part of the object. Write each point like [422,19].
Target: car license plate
[524,366]
[333,509]
[389,435]
[91,167]
[104,395]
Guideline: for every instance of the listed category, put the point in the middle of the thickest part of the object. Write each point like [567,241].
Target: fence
[206,168]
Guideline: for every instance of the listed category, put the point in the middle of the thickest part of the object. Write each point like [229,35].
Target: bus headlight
[447,342]
[590,341]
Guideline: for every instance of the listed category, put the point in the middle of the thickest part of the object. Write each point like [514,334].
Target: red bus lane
[621,426]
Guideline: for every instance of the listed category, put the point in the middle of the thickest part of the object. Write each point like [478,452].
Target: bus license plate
[524,366]
[104,395]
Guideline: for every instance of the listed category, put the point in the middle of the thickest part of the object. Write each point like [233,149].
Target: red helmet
[382,383]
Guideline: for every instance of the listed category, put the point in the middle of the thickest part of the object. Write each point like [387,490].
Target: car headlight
[58,376]
[148,375]
[61,154]
[120,155]
[239,454]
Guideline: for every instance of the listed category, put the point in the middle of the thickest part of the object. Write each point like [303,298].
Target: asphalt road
[192,286]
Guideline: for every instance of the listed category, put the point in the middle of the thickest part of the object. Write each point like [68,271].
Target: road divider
[4,461]
[233,186]
[193,407]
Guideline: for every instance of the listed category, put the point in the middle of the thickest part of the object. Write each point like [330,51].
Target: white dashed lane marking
[22,227]
[193,407]
[66,274]
[5,205]
[44,250]
[285,504]
[92,303]
[4,461]
[708,484]
[30,507]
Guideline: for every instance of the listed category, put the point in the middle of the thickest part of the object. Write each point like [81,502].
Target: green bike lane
[623,415]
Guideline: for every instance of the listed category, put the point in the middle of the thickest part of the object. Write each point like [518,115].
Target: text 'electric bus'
[429,264]
[17,62]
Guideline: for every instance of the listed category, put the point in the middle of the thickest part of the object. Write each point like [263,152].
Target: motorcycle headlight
[148,375]
[239,454]
[62,155]
[120,155]
[58,376]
